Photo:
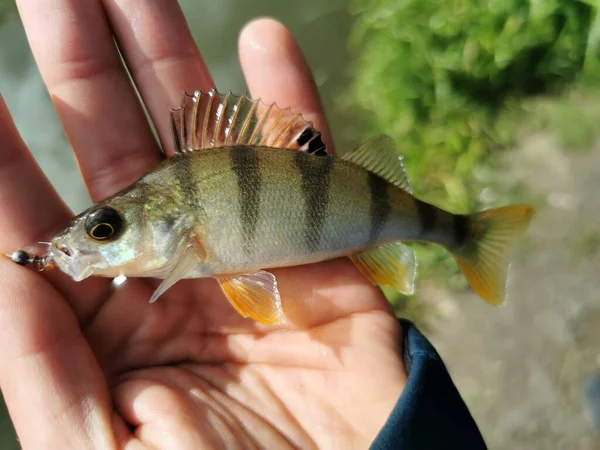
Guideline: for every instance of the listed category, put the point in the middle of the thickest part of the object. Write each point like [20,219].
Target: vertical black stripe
[186,180]
[380,208]
[461,229]
[315,173]
[427,216]
[245,164]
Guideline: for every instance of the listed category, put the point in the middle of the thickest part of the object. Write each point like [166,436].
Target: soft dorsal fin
[209,120]
[379,155]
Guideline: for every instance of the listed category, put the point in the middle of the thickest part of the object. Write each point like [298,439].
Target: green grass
[437,75]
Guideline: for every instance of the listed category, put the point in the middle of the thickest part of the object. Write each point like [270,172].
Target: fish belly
[274,208]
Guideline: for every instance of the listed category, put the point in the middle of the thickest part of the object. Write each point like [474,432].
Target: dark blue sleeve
[430,413]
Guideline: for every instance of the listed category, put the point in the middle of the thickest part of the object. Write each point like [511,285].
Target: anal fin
[392,265]
[254,295]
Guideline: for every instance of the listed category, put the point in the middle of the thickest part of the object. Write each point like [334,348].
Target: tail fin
[484,256]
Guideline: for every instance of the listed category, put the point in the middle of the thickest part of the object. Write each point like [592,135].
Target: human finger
[276,71]
[53,386]
[91,91]
[32,211]
[161,56]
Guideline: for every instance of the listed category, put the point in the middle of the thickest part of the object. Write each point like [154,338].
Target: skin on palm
[85,367]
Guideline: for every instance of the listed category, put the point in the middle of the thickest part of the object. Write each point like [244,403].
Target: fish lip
[62,260]
[71,261]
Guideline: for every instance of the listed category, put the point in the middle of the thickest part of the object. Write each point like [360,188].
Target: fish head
[110,239]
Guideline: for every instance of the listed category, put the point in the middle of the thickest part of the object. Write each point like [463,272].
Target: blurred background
[492,102]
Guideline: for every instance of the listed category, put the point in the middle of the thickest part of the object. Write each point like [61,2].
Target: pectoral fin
[180,269]
[254,295]
[393,265]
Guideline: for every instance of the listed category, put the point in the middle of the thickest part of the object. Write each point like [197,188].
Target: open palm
[85,366]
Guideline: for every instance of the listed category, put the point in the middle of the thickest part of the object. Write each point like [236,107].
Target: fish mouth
[75,263]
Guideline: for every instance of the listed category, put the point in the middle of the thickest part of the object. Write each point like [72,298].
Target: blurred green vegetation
[449,80]
[571,117]
[6,7]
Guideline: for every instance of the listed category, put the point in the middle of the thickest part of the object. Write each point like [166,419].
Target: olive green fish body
[260,207]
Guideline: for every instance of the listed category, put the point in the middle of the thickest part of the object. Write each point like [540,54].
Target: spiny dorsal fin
[379,155]
[209,120]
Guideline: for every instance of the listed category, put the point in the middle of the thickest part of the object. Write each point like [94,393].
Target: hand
[83,366]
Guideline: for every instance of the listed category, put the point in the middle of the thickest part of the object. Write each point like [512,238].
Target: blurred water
[26,97]
[321,28]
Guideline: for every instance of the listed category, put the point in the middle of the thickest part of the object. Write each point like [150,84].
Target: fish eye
[103,224]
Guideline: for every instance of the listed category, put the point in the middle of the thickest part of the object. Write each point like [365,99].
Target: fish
[252,187]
